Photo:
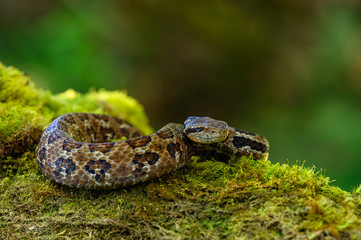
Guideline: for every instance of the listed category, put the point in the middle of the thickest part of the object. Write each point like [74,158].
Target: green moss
[241,199]
[26,111]
[16,87]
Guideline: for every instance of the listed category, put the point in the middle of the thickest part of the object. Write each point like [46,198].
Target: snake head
[205,130]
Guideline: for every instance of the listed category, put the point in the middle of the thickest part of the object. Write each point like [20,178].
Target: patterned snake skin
[75,150]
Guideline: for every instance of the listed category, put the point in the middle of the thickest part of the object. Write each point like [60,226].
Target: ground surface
[241,199]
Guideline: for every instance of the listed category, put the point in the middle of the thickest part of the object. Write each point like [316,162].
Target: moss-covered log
[241,199]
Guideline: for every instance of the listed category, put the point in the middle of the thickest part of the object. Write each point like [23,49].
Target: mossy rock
[26,111]
[242,199]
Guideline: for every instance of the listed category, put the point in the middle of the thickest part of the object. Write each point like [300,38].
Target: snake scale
[75,150]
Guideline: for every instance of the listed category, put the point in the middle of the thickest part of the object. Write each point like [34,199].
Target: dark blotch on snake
[70,145]
[92,133]
[173,148]
[107,133]
[150,157]
[165,134]
[193,130]
[42,153]
[53,138]
[66,164]
[239,142]
[100,148]
[139,142]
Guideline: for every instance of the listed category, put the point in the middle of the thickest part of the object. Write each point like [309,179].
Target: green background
[289,70]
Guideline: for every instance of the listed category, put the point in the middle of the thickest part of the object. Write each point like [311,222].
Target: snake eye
[193,130]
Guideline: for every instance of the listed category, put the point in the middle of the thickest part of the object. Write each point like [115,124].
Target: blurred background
[289,70]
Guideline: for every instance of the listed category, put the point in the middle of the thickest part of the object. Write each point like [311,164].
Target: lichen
[241,199]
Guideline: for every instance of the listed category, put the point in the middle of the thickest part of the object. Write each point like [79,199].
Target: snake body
[75,150]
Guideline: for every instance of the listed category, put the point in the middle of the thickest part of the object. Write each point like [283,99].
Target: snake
[78,149]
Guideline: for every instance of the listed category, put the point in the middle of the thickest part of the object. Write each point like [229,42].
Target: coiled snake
[75,150]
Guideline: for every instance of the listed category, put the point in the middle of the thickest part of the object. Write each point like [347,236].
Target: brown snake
[75,150]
